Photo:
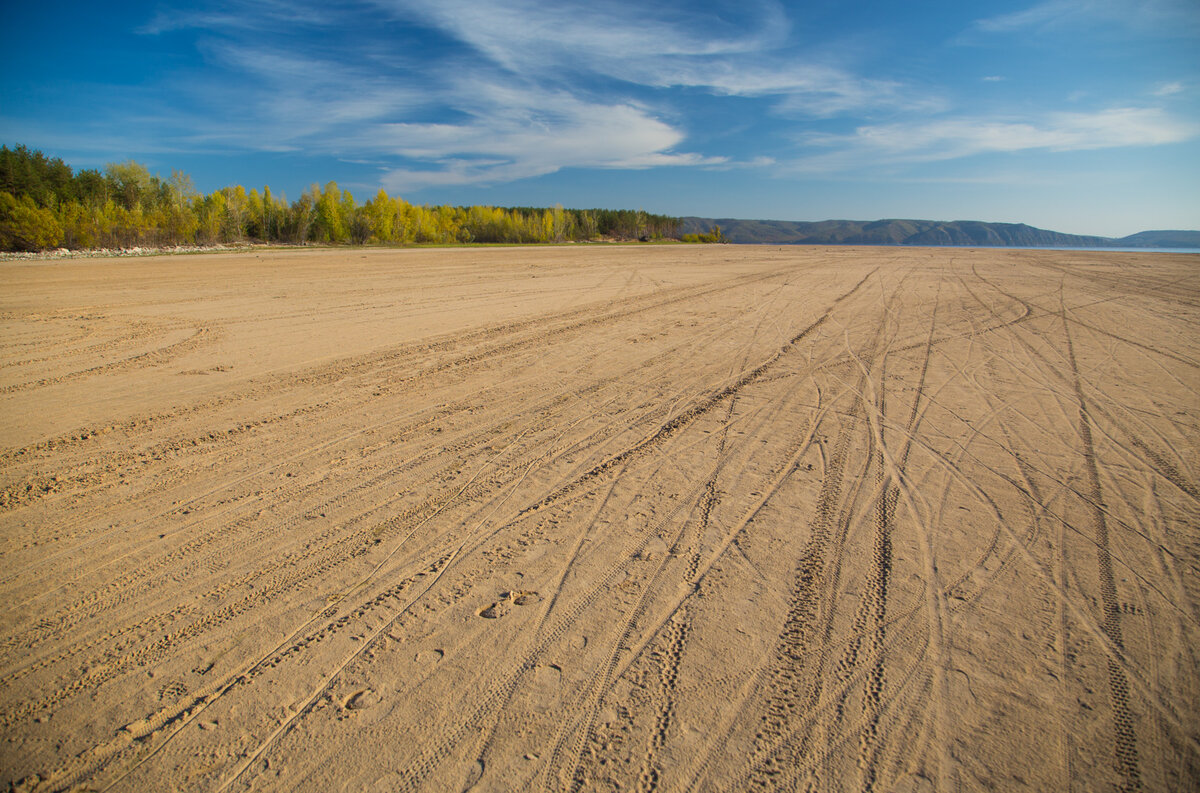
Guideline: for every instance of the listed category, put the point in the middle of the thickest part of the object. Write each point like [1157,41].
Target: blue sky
[1076,115]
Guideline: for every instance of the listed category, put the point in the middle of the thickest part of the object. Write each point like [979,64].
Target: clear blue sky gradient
[1076,115]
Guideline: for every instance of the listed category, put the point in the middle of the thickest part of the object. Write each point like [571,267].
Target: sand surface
[597,518]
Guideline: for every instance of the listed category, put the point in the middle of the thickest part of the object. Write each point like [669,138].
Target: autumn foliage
[45,204]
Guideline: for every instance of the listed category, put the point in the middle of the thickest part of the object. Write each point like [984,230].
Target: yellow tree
[132,183]
[237,205]
[271,214]
[381,217]
[254,215]
[447,224]
[210,213]
[329,226]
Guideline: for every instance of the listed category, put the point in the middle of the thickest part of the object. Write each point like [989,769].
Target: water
[1002,247]
[1068,248]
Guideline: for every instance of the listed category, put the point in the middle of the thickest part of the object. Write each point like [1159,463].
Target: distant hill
[925,232]
[1161,239]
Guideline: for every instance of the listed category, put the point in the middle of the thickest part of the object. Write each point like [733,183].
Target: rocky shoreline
[112,253]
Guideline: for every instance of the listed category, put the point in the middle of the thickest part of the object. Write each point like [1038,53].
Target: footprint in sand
[361,699]
[495,611]
[508,600]
[429,658]
[545,688]
[524,598]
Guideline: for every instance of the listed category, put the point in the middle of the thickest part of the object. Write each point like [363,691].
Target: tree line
[45,204]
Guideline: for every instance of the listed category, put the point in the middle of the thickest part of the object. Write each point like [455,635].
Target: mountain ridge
[895,231]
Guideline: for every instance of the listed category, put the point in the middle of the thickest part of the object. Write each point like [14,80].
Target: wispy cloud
[746,60]
[291,98]
[1169,89]
[262,15]
[166,22]
[525,88]
[496,130]
[663,46]
[958,138]
[534,88]
[613,38]
[1048,14]
[519,133]
[1173,18]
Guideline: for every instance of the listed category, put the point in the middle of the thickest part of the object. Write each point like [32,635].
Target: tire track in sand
[1126,743]
[416,773]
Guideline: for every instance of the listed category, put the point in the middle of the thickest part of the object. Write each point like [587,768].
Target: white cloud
[164,22]
[539,86]
[1169,89]
[613,38]
[993,78]
[498,130]
[273,100]
[1163,17]
[680,48]
[262,15]
[1044,14]
[515,109]
[965,137]
[520,133]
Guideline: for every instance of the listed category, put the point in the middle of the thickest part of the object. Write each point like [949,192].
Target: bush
[714,235]
[26,227]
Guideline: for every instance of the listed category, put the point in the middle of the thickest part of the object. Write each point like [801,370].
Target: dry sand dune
[638,518]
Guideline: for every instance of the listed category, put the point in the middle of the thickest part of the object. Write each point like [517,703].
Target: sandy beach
[677,517]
